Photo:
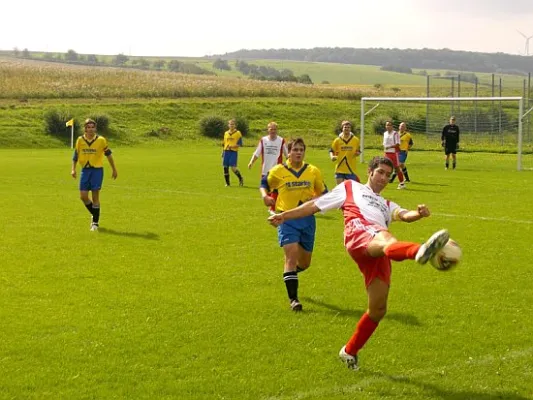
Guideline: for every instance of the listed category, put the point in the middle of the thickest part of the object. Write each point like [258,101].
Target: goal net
[497,125]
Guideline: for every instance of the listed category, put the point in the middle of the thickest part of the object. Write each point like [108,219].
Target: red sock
[400,251]
[400,176]
[365,329]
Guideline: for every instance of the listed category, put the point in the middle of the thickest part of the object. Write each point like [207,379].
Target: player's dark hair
[294,142]
[376,161]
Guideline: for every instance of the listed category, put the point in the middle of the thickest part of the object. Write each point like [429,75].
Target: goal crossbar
[519,99]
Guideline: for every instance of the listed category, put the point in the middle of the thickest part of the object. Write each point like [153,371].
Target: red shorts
[394,158]
[356,240]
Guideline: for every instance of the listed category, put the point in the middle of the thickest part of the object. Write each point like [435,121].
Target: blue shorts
[347,177]
[229,159]
[300,231]
[403,156]
[91,179]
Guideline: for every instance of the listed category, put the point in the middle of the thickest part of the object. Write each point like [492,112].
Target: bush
[213,126]
[242,125]
[55,123]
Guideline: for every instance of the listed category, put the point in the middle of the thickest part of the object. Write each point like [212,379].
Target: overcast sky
[198,28]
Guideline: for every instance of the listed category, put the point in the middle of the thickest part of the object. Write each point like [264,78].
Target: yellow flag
[70,123]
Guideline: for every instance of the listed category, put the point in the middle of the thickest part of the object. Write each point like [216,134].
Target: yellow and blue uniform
[231,144]
[295,187]
[90,155]
[346,152]
[406,141]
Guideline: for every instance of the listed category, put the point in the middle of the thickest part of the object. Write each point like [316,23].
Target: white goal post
[376,103]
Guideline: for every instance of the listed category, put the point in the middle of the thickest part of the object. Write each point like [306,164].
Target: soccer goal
[487,124]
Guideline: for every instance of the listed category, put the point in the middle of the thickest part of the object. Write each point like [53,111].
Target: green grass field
[180,294]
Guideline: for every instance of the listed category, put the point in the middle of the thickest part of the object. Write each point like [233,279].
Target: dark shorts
[347,177]
[450,149]
[403,156]
[91,179]
[230,158]
[301,231]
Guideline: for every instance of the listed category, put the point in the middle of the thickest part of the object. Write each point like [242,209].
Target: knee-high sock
[238,173]
[89,207]
[291,283]
[96,213]
[405,173]
[226,175]
[400,251]
[400,176]
[365,329]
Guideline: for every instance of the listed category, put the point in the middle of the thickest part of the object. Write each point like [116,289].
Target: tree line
[400,58]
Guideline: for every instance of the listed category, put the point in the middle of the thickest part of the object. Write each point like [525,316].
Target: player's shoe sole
[436,242]
[349,360]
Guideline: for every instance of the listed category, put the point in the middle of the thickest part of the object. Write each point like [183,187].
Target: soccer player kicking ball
[367,216]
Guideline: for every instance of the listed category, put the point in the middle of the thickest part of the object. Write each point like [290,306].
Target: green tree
[92,59]
[71,55]
[159,64]
[120,59]
[221,64]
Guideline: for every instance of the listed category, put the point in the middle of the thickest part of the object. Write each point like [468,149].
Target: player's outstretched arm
[414,215]
[304,210]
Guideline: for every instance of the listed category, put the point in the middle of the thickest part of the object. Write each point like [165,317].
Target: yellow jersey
[406,141]
[346,152]
[294,187]
[90,153]
[232,140]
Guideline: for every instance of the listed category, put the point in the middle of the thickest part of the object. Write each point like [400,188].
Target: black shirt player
[450,141]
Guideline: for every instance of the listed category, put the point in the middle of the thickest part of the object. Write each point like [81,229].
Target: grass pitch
[180,293]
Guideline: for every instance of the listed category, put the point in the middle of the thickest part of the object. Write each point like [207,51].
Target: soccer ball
[448,257]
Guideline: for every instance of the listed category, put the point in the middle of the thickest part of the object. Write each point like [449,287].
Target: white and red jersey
[390,139]
[360,205]
[271,152]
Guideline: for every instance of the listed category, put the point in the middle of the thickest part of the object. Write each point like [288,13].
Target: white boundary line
[496,219]
[257,199]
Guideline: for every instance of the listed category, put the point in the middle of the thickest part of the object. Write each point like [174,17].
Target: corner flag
[70,122]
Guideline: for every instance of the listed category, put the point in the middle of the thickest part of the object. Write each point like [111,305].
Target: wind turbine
[527,42]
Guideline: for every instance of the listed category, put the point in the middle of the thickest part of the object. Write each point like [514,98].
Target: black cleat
[296,305]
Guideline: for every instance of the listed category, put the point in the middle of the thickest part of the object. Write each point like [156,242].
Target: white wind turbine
[527,42]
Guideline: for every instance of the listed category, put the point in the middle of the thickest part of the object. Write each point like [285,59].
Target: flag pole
[72,136]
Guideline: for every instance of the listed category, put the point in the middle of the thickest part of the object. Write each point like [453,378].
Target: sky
[193,28]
